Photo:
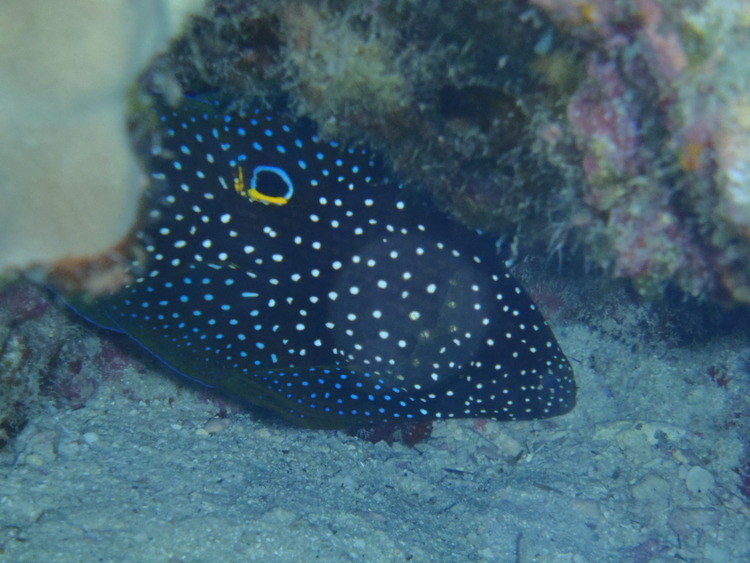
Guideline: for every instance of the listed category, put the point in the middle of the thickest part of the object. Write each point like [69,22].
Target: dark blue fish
[291,272]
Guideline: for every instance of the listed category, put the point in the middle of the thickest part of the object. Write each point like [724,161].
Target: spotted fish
[291,272]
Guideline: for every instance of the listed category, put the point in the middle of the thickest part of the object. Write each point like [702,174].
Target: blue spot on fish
[336,300]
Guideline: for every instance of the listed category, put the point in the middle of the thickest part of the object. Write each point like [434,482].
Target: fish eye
[270,183]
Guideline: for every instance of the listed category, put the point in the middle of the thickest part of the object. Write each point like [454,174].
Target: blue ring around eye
[273,170]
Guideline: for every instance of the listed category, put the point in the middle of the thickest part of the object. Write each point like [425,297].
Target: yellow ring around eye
[255,195]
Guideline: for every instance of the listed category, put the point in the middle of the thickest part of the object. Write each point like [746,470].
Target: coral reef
[611,131]
[658,120]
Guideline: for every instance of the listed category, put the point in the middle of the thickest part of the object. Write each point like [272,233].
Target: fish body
[291,272]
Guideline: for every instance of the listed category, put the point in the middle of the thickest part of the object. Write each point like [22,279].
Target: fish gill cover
[293,273]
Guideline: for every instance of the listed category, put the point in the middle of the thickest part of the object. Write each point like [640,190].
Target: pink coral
[601,117]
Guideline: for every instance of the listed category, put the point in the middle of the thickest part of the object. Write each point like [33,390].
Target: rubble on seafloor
[46,358]
[608,131]
[49,360]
